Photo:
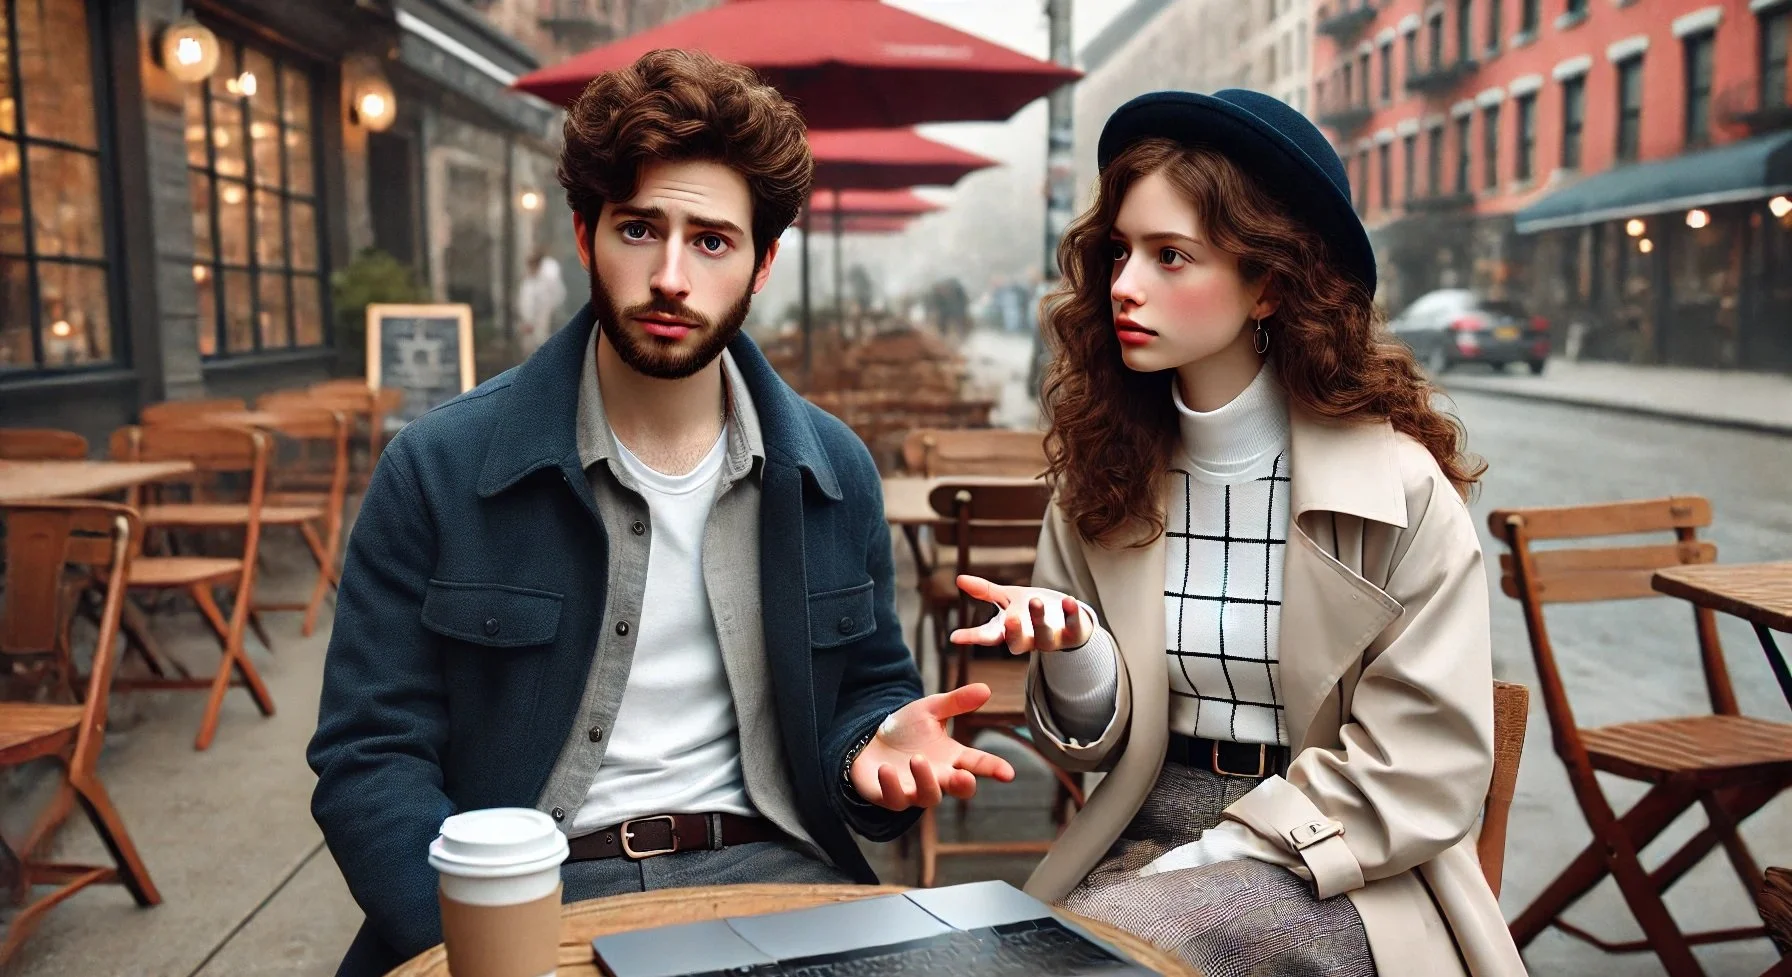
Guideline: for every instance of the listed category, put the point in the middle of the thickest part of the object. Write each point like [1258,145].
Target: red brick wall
[1737,40]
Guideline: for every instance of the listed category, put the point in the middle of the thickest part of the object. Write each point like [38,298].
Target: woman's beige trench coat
[1386,674]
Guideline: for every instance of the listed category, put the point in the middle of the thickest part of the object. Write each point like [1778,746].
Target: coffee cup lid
[498,841]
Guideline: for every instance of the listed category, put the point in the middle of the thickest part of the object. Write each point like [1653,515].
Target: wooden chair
[930,452]
[212,450]
[42,540]
[183,411]
[1728,764]
[1511,713]
[990,515]
[41,444]
[368,408]
[1776,910]
[310,493]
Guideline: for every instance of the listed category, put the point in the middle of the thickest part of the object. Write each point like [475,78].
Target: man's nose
[669,278]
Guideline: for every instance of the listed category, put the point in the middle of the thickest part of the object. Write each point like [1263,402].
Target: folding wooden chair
[1511,713]
[182,411]
[309,491]
[1728,764]
[1002,516]
[42,540]
[41,444]
[212,450]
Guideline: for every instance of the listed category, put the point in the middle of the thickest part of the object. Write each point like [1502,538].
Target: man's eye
[634,231]
[713,243]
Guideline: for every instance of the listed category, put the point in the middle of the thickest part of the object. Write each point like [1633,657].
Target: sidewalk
[1725,398]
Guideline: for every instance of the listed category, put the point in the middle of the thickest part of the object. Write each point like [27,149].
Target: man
[636,583]
[538,301]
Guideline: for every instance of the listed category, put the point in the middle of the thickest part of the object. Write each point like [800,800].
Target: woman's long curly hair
[1112,430]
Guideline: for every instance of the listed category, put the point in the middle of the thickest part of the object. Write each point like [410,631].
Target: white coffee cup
[500,892]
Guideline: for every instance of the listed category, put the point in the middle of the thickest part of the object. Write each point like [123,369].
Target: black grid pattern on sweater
[1235,557]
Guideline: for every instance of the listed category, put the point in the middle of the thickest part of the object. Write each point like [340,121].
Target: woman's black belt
[1226,758]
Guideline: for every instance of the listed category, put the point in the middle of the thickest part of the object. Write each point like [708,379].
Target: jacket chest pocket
[841,617]
[492,615]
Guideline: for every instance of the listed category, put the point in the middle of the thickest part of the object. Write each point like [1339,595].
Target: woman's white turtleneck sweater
[1226,523]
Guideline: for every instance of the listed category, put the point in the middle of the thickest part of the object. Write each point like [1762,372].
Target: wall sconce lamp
[373,106]
[530,200]
[189,50]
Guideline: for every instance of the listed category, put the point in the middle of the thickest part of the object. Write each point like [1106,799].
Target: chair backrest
[978,514]
[41,444]
[931,452]
[321,428]
[1539,576]
[349,384]
[1511,711]
[42,539]
[213,450]
[188,411]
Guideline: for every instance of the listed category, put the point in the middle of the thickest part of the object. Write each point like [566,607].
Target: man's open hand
[911,762]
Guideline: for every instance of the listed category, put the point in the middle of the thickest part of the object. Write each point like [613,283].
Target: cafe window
[1776,24]
[1630,108]
[1699,53]
[1574,118]
[1527,137]
[252,172]
[55,286]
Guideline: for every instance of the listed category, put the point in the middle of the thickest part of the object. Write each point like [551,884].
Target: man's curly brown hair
[685,105]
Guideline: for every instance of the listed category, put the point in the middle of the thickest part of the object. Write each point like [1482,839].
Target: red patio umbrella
[872,203]
[875,225]
[888,159]
[845,63]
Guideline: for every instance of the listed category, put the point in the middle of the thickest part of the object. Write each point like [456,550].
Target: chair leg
[1724,823]
[48,820]
[131,871]
[326,558]
[930,847]
[236,661]
[1642,823]
[261,630]
[1651,913]
[208,609]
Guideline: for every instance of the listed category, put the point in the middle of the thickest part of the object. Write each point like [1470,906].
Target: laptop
[983,929]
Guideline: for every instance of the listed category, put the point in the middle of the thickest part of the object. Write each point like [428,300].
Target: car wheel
[1536,367]
[1437,361]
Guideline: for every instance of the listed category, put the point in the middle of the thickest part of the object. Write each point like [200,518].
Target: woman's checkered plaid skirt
[1233,919]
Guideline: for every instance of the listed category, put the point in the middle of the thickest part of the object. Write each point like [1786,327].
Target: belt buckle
[1262,763]
[628,835]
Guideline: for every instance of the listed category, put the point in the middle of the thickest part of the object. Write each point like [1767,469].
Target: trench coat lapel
[1330,612]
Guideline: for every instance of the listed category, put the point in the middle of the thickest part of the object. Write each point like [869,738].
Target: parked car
[1455,325]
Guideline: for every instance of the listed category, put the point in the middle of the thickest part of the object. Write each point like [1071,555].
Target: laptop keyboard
[1034,948]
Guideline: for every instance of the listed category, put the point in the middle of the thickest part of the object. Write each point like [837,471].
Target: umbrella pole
[839,276]
[808,324]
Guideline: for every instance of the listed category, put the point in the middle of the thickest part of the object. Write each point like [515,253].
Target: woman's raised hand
[1031,618]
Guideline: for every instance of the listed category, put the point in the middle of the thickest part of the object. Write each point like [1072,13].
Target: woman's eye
[1170,256]
[1117,251]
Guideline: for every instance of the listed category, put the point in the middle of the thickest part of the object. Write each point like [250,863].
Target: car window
[1503,308]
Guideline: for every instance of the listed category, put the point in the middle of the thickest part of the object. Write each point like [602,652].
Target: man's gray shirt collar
[597,442]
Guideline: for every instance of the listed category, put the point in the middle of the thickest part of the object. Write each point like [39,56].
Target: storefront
[179,179]
[1680,261]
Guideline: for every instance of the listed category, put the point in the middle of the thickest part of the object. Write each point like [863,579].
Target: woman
[1259,602]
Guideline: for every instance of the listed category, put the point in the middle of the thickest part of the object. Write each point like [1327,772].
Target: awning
[1749,170]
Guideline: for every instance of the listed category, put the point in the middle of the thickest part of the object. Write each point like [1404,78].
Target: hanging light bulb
[1696,218]
[189,50]
[1634,228]
[374,106]
[530,200]
[1645,245]
[1779,206]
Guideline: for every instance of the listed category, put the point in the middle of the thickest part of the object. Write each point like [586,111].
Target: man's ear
[763,273]
[581,232]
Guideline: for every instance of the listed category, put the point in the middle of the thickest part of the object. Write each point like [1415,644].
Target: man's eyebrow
[659,214]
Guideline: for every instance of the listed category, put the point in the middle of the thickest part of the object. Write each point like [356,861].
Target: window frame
[1695,112]
[1574,121]
[1530,17]
[1490,147]
[1387,72]
[1384,158]
[1465,153]
[104,154]
[1434,160]
[1628,123]
[1770,95]
[252,270]
[1465,30]
[1525,135]
[1409,156]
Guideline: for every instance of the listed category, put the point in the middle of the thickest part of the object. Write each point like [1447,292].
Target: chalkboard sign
[424,350]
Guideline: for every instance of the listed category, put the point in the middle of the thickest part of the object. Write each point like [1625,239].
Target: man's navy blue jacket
[471,599]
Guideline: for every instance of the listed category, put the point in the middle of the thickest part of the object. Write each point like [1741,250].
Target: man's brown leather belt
[663,834]
[1226,758]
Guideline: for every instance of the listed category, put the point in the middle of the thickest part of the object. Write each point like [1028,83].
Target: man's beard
[648,355]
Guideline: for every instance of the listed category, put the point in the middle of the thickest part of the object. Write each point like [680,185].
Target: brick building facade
[1615,164]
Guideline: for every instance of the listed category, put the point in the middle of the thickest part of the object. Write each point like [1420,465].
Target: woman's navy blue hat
[1268,139]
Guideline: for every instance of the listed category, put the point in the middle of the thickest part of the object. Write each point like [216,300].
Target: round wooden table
[581,922]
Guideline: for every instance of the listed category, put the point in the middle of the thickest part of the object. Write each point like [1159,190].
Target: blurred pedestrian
[538,301]
[1246,475]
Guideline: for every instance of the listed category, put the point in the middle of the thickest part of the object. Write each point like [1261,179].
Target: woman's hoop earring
[1260,339]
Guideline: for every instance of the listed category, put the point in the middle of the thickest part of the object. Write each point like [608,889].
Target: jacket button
[846,624]
[622,628]
[491,627]
[596,733]
[639,528]
[558,814]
